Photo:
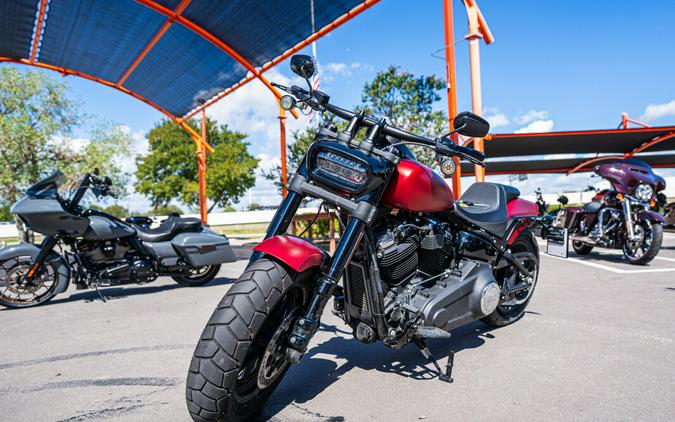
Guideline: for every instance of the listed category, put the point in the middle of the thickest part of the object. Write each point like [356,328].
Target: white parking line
[663,258]
[610,269]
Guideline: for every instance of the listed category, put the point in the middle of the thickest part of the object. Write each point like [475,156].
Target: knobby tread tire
[227,336]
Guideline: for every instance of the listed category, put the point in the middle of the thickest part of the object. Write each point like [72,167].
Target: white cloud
[655,111]
[253,110]
[328,71]
[537,126]
[497,120]
[531,116]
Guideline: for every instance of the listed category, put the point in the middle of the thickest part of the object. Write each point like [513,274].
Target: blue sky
[558,65]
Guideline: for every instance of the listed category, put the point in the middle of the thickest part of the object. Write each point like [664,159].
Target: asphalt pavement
[596,344]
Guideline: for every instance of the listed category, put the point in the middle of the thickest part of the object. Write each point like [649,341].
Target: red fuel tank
[414,187]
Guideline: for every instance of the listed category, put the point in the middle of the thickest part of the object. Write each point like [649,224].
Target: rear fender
[296,252]
[29,249]
[652,216]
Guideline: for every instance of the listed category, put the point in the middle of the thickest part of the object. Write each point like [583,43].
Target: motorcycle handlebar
[444,148]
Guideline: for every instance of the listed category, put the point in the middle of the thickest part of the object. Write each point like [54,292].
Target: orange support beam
[282,138]
[651,143]
[477,29]
[39,26]
[201,171]
[288,53]
[591,161]
[213,40]
[162,30]
[451,85]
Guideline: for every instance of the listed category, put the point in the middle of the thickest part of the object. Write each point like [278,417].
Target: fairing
[626,175]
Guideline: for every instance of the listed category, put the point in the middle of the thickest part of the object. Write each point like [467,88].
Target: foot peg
[431,332]
[443,376]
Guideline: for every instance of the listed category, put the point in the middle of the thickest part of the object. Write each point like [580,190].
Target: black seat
[168,229]
[484,204]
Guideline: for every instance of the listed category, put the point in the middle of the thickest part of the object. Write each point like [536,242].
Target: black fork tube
[48,244]
[307,325]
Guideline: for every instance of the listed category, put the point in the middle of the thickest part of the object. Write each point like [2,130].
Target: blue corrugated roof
[103,38]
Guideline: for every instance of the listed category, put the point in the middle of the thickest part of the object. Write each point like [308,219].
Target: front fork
[307,325]
[628,218]
[47,245]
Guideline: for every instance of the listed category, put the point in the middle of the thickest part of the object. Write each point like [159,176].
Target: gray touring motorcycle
[99,250]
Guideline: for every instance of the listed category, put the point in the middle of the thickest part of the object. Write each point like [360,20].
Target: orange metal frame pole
[477,29]
[451,84]
[38,30]
[282,139]
[288,53]
[201,170]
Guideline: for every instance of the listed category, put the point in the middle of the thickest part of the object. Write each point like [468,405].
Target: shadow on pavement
[123,292]
[315,373]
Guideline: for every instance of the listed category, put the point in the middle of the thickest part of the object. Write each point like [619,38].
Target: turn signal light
[619,196]
[652,203]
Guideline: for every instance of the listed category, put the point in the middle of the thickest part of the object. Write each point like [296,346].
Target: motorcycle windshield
[46,188]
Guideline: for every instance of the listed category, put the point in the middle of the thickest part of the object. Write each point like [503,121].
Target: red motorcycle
[621,217]
[411,263]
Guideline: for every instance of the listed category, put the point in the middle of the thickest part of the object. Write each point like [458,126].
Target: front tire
[651,237]
[240,357]
[17,293]
[512,308]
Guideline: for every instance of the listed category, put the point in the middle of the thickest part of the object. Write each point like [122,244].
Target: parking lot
[595,344]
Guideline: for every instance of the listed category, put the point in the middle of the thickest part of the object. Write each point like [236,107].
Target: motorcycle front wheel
[17,292]
[241,355]
[646,245]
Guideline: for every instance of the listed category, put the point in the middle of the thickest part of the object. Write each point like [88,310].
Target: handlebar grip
[472,154]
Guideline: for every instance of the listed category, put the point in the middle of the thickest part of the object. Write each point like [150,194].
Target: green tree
[169,170]
[407,101]
[107,144]
[36,122]
[117,210]
[5,214]
[163,210]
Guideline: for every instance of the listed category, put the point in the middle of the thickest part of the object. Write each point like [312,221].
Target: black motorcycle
[412,263]
[96,249]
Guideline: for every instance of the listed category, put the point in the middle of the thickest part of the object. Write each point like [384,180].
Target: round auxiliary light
[287,102]
[448,167]
[644,192]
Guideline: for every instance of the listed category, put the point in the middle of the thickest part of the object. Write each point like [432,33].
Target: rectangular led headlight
[340,172]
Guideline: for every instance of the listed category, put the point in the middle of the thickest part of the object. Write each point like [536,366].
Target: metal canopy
[175,54]
[564,165]
[576,142]
[606,144]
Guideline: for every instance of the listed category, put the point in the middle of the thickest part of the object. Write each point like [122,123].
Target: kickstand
[100,295]
[445,377]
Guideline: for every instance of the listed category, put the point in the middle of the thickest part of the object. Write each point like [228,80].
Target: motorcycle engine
[406,251]
[428,290]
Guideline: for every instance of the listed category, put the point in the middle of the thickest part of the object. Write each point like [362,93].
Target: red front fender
[296,252]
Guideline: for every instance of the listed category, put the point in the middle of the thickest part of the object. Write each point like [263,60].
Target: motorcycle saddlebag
[202,248]
[570,217]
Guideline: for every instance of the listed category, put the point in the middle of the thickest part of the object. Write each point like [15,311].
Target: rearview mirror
[302,65]
[471,125]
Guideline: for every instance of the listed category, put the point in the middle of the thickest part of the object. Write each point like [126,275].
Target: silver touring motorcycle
[412,263]
[94,249]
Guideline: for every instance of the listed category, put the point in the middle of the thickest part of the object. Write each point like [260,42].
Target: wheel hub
[274,359]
